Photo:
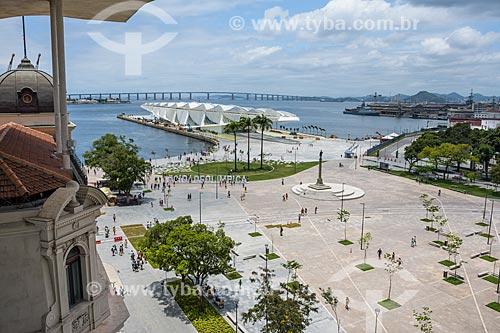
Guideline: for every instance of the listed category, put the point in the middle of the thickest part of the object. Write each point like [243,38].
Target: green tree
[234,127]
[441,222]
[423,319]
[248,125]
[392,266]
[495,174]
[291,266]
[154,243]
[192,250]
[264,123]
[433,155]
[453,247]
[343,216]
[460,153]
[283,310]
[427,203]
[333,301]
[412,151]
[485,153]
[365,241]
[118,159]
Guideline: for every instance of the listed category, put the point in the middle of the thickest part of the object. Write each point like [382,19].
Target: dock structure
[189,95]
[206,137]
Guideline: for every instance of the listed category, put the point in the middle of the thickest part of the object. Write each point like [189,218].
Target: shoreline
[194,135]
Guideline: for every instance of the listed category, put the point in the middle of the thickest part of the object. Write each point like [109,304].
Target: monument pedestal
[319,186]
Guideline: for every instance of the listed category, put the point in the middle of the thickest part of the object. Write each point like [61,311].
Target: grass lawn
[454,186]
[389,304]
[346,242]
[447,263]
[233,275]
[482,224]
[168,209]
[365,267]
[288,225]
[494,306]
[440,243]
[453,280]
[489,258]
[147,191]
[272,256]
[269,171]
[491,279]
[134,230]
[255,234]
[207,320]
[486,235]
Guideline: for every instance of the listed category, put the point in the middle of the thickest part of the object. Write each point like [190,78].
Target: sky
[309,48]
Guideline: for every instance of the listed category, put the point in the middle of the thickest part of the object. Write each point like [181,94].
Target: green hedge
[206,320]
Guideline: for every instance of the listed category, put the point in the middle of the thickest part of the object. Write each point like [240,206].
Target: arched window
[74,277]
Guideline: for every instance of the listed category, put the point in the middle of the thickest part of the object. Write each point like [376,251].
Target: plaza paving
[392,215]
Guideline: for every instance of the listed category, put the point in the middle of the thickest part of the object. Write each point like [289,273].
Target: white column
[55,74]
[61,65]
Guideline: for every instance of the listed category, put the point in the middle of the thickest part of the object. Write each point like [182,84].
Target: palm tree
[264,123]
[247,124]
[233,127]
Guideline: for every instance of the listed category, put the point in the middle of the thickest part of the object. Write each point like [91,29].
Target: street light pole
[295,159]
[377,312]
[200,205]
[342,199]
[266,277]
[236,316]
[491,222]
[362,225]
[485,200]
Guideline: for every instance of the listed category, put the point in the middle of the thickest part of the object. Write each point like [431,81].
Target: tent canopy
[80,9]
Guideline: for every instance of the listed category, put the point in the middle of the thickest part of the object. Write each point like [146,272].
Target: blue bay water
[95,120]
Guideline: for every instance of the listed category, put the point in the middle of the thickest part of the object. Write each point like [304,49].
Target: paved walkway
[392,215]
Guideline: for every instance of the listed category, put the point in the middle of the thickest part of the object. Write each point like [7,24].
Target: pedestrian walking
[281,230]
[439,193]
[114,231]
[299,218]
[347,301]
[126,243]
[414,240]
[315,210]
[379,252]
[286,196]
[122,291]
[114,218]
[393,256]
[282,181]
[151,204]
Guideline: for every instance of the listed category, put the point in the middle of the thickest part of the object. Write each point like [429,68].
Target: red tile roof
[28,164]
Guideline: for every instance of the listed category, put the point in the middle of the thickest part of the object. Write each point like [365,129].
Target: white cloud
[460,41]
[253,54]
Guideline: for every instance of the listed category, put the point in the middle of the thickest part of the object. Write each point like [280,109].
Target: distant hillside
[452,98]
[425,97]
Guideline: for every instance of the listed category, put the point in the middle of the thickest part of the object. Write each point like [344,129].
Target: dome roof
[26,90]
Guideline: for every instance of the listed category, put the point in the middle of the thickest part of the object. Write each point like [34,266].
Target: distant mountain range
[420,97]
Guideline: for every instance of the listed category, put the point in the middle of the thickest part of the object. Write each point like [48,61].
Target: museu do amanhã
[210,116]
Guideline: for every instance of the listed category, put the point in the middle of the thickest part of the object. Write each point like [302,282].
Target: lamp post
[217,183]
[200,205]
[491,222]
[377,312]
[485,200]
[498,286]
[295,159]
[236,330]
[342,199]
[362,224]
[266,277]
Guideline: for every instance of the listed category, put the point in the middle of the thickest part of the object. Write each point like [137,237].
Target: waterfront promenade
[392,215]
